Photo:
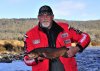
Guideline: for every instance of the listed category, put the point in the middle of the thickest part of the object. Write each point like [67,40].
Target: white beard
[45,25]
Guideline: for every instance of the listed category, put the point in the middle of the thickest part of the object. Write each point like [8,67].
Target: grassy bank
[18,46]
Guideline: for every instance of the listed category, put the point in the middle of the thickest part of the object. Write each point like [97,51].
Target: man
[49,33]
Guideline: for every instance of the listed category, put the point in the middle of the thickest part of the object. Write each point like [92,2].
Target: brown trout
[49,53]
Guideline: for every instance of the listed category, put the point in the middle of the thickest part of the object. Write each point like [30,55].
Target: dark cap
[45,9]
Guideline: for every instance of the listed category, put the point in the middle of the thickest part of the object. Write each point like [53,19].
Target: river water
[88,60]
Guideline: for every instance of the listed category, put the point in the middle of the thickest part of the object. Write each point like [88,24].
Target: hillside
[14,29]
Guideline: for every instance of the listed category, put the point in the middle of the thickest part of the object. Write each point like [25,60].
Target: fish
[48,52]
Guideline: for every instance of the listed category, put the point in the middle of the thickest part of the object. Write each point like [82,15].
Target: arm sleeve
[81,38]
[28,47]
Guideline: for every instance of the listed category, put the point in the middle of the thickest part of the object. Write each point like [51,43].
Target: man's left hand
[72,51]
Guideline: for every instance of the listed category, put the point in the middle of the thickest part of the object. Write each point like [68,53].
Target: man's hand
[32,61]
[40,58]
[29,61]
[72,51]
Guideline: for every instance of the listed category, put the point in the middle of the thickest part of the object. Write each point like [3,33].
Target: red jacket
[36,39]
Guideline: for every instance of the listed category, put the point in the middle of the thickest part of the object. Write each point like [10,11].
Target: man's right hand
[29,61]
[40,58]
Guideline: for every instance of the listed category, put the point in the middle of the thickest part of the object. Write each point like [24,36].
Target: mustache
[45,21]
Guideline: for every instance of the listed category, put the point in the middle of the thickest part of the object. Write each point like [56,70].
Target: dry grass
[12,31]
[11,45]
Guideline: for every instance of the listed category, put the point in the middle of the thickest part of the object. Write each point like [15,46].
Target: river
[88,60]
